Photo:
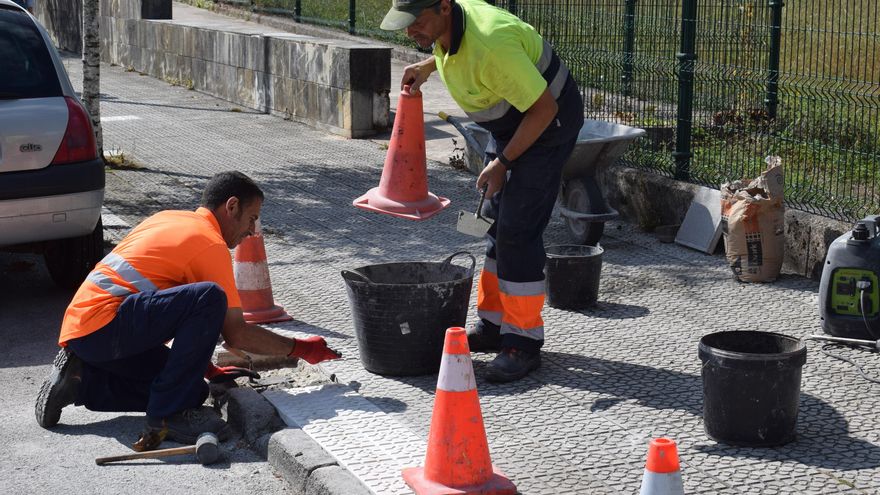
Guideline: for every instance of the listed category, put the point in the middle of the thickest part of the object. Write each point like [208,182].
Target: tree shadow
[612,311]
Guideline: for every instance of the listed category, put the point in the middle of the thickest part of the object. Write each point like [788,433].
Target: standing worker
[170,278]
[510,81]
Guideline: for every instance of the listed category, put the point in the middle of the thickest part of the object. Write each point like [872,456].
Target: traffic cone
[662,475]
[403,188]
[252,281]
[457,461]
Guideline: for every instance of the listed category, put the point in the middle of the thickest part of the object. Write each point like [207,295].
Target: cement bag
[753,221]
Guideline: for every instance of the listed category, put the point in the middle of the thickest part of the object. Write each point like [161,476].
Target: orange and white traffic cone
[253,283]
[403,188]
[662,472]
[457,461]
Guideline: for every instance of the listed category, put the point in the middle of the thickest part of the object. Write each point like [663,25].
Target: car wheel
[70,260]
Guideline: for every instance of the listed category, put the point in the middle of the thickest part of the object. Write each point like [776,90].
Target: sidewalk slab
[347,426]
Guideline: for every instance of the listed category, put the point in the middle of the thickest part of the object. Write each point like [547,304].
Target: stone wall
[63,20]
[649,200]
[336,85]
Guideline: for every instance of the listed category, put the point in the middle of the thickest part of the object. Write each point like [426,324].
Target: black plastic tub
[751,387]
[572,275]
[401,312]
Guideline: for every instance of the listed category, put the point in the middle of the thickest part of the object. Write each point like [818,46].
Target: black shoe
[59,389]
[511,364]
[484,337]
[186,426]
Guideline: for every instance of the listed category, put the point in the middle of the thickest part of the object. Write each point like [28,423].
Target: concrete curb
[301,461]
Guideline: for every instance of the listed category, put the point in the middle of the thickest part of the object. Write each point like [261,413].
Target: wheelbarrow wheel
[581,196]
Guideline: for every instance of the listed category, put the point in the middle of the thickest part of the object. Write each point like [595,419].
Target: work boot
[59,389]
[186,426]
[484,337]
[511,364]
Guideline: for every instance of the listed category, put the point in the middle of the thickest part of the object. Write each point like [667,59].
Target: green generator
[849,295]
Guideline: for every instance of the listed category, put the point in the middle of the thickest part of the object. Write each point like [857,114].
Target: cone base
[373,200]
[270,315]
[662,483]
[498,484]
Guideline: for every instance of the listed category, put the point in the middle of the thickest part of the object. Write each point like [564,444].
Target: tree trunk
[91,58]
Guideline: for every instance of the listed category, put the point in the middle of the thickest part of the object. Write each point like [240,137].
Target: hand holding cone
[403,188]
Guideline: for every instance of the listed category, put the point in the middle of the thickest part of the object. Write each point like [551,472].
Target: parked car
[51,177]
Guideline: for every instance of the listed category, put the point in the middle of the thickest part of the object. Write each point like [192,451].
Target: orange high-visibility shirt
[169,249]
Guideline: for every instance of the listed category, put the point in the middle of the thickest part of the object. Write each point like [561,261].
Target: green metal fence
[718,84]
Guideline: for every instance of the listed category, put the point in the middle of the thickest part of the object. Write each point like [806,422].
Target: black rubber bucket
[572,275]
[751,387]
[401,312]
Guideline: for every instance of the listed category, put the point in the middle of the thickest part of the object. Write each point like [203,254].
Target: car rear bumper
[53,180]
[39,206]
[29,220]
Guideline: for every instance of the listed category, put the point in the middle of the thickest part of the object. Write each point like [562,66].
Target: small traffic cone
[457,461]
[662,475]
[403,188]
[252,281]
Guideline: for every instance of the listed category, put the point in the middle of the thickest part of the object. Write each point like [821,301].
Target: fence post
[297,11]
[629,43]
[772,99]
[352,7]
[511,7]
[686,58]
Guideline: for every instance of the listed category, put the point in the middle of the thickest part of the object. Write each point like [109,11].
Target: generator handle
[873,224]
[840,340]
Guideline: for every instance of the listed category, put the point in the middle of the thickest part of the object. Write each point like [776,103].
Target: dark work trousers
[522,211]
[128,367]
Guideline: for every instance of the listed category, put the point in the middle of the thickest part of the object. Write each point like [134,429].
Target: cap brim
[396,20]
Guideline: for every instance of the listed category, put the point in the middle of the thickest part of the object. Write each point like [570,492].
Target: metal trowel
[474,223]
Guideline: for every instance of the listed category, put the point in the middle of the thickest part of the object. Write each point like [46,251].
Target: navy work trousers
[128,367]
[522,211]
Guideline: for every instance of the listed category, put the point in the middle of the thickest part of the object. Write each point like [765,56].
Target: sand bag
[753,221]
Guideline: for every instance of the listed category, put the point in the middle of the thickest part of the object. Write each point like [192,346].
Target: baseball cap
[404,12]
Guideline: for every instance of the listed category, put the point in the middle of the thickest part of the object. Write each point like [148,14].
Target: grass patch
[118,160]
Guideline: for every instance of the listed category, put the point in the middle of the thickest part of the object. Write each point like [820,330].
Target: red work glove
[313,350]
[216,374]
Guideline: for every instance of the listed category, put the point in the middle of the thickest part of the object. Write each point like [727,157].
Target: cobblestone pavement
[612,377]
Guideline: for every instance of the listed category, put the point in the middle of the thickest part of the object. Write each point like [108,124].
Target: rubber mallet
[206,449]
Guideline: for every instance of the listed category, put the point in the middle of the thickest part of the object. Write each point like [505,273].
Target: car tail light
[78,144]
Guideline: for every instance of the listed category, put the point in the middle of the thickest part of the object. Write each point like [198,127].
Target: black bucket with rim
[401,312]
[751,387]
[571,275]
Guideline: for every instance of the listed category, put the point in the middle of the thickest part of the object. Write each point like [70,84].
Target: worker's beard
[423,41]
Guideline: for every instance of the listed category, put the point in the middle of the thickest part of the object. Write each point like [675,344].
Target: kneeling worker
[171,278]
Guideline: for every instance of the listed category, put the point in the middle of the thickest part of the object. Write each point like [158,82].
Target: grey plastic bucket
[751,387]
[401,312]
[571,275]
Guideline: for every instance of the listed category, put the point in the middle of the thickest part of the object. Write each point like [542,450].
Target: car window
[26,69]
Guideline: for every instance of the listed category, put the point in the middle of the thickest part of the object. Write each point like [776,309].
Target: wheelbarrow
[580,201]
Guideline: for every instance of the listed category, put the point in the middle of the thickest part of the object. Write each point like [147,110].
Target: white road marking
[119,118]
